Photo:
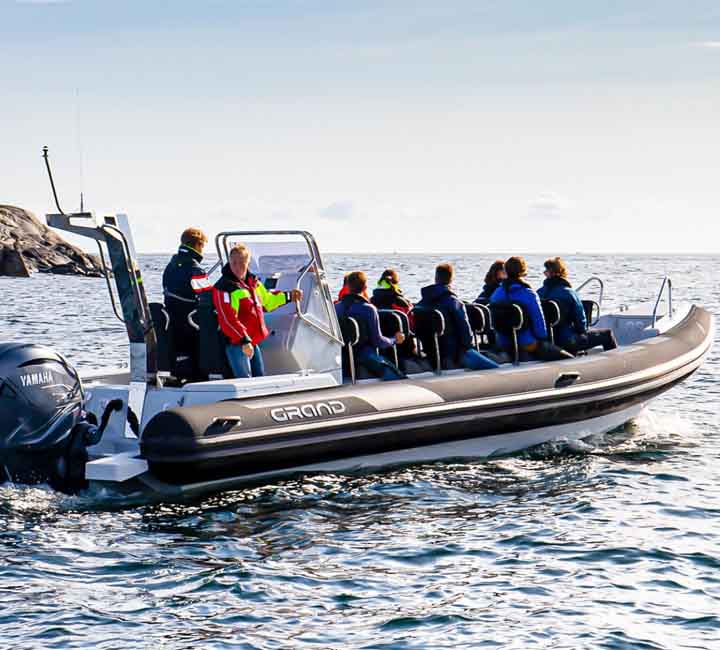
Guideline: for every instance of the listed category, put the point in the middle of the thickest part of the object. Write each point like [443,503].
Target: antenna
[50,176]
[79,143]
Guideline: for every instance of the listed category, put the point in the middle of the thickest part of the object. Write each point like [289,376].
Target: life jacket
[390,296]
[240,305]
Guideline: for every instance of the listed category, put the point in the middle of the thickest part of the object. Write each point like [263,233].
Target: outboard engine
[43,430]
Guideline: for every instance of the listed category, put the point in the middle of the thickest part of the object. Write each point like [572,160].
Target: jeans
[242,367]
[473,360]
[379,366]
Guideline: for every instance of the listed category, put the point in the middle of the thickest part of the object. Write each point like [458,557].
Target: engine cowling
[41,418]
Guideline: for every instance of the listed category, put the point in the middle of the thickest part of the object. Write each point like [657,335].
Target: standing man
[183,280]
[240,300]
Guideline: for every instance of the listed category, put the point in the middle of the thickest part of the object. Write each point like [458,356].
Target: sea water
[612,542]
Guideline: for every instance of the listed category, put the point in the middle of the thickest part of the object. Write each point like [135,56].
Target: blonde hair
[242,250]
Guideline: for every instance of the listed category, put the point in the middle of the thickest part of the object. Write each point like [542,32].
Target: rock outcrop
[27,245]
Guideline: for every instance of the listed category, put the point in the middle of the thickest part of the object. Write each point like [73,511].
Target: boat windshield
[304,336]
[271,255]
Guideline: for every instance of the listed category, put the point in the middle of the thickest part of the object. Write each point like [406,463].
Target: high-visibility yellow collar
[385,284]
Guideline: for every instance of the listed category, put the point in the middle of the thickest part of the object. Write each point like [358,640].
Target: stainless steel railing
[666,283]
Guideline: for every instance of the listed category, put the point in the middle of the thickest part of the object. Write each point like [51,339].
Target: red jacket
[240,305]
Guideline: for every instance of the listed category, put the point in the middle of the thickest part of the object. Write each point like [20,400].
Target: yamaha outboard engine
[43,431]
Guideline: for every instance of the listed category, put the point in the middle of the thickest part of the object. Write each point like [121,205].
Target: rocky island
[27,245]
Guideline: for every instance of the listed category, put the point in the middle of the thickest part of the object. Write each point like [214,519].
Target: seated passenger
[493,278]
[572,332]
[344,290]
[354,304]
[532,340]
[240,299]
[183,281]
[389,295]
[456,344]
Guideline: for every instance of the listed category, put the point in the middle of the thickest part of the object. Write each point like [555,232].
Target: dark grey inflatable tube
[244,437]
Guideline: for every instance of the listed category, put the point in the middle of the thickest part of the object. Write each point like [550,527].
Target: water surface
[613,543]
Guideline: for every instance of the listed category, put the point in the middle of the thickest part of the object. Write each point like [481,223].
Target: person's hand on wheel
[296,295]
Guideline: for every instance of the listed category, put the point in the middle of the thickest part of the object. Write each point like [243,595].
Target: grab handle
[566,379]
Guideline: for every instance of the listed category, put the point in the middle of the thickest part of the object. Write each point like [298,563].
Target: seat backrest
[592,312]
[352,337]
[553,315]
[485,309]
[393,321]
[486,336]
[164,335]
[551,312]
[476,317]
[508,317]
[212,359]
[350,329]
[429,327]
[428,322]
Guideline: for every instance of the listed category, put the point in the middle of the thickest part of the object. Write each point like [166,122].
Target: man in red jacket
[240,300]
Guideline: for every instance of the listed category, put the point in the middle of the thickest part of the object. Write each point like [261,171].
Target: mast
[114,231]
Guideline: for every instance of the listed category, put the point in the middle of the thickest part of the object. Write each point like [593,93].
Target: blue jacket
[458,335]
[523,294]
[367,317]
[572,321]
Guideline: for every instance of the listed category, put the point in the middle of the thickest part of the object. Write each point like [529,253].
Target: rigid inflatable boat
[142,425]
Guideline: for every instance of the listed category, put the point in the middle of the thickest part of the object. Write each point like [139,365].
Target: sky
[462,126]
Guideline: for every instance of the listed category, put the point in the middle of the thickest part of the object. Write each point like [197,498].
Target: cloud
[710,45]
[338,211]
[549,206]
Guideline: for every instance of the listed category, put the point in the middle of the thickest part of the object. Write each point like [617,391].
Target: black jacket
[180,298]
[458,335]
[487,291]
[177,277]
[384,298]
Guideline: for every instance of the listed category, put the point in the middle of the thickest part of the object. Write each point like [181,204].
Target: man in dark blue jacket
[572,332]
[183,281]
[456,344]
[354,304]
